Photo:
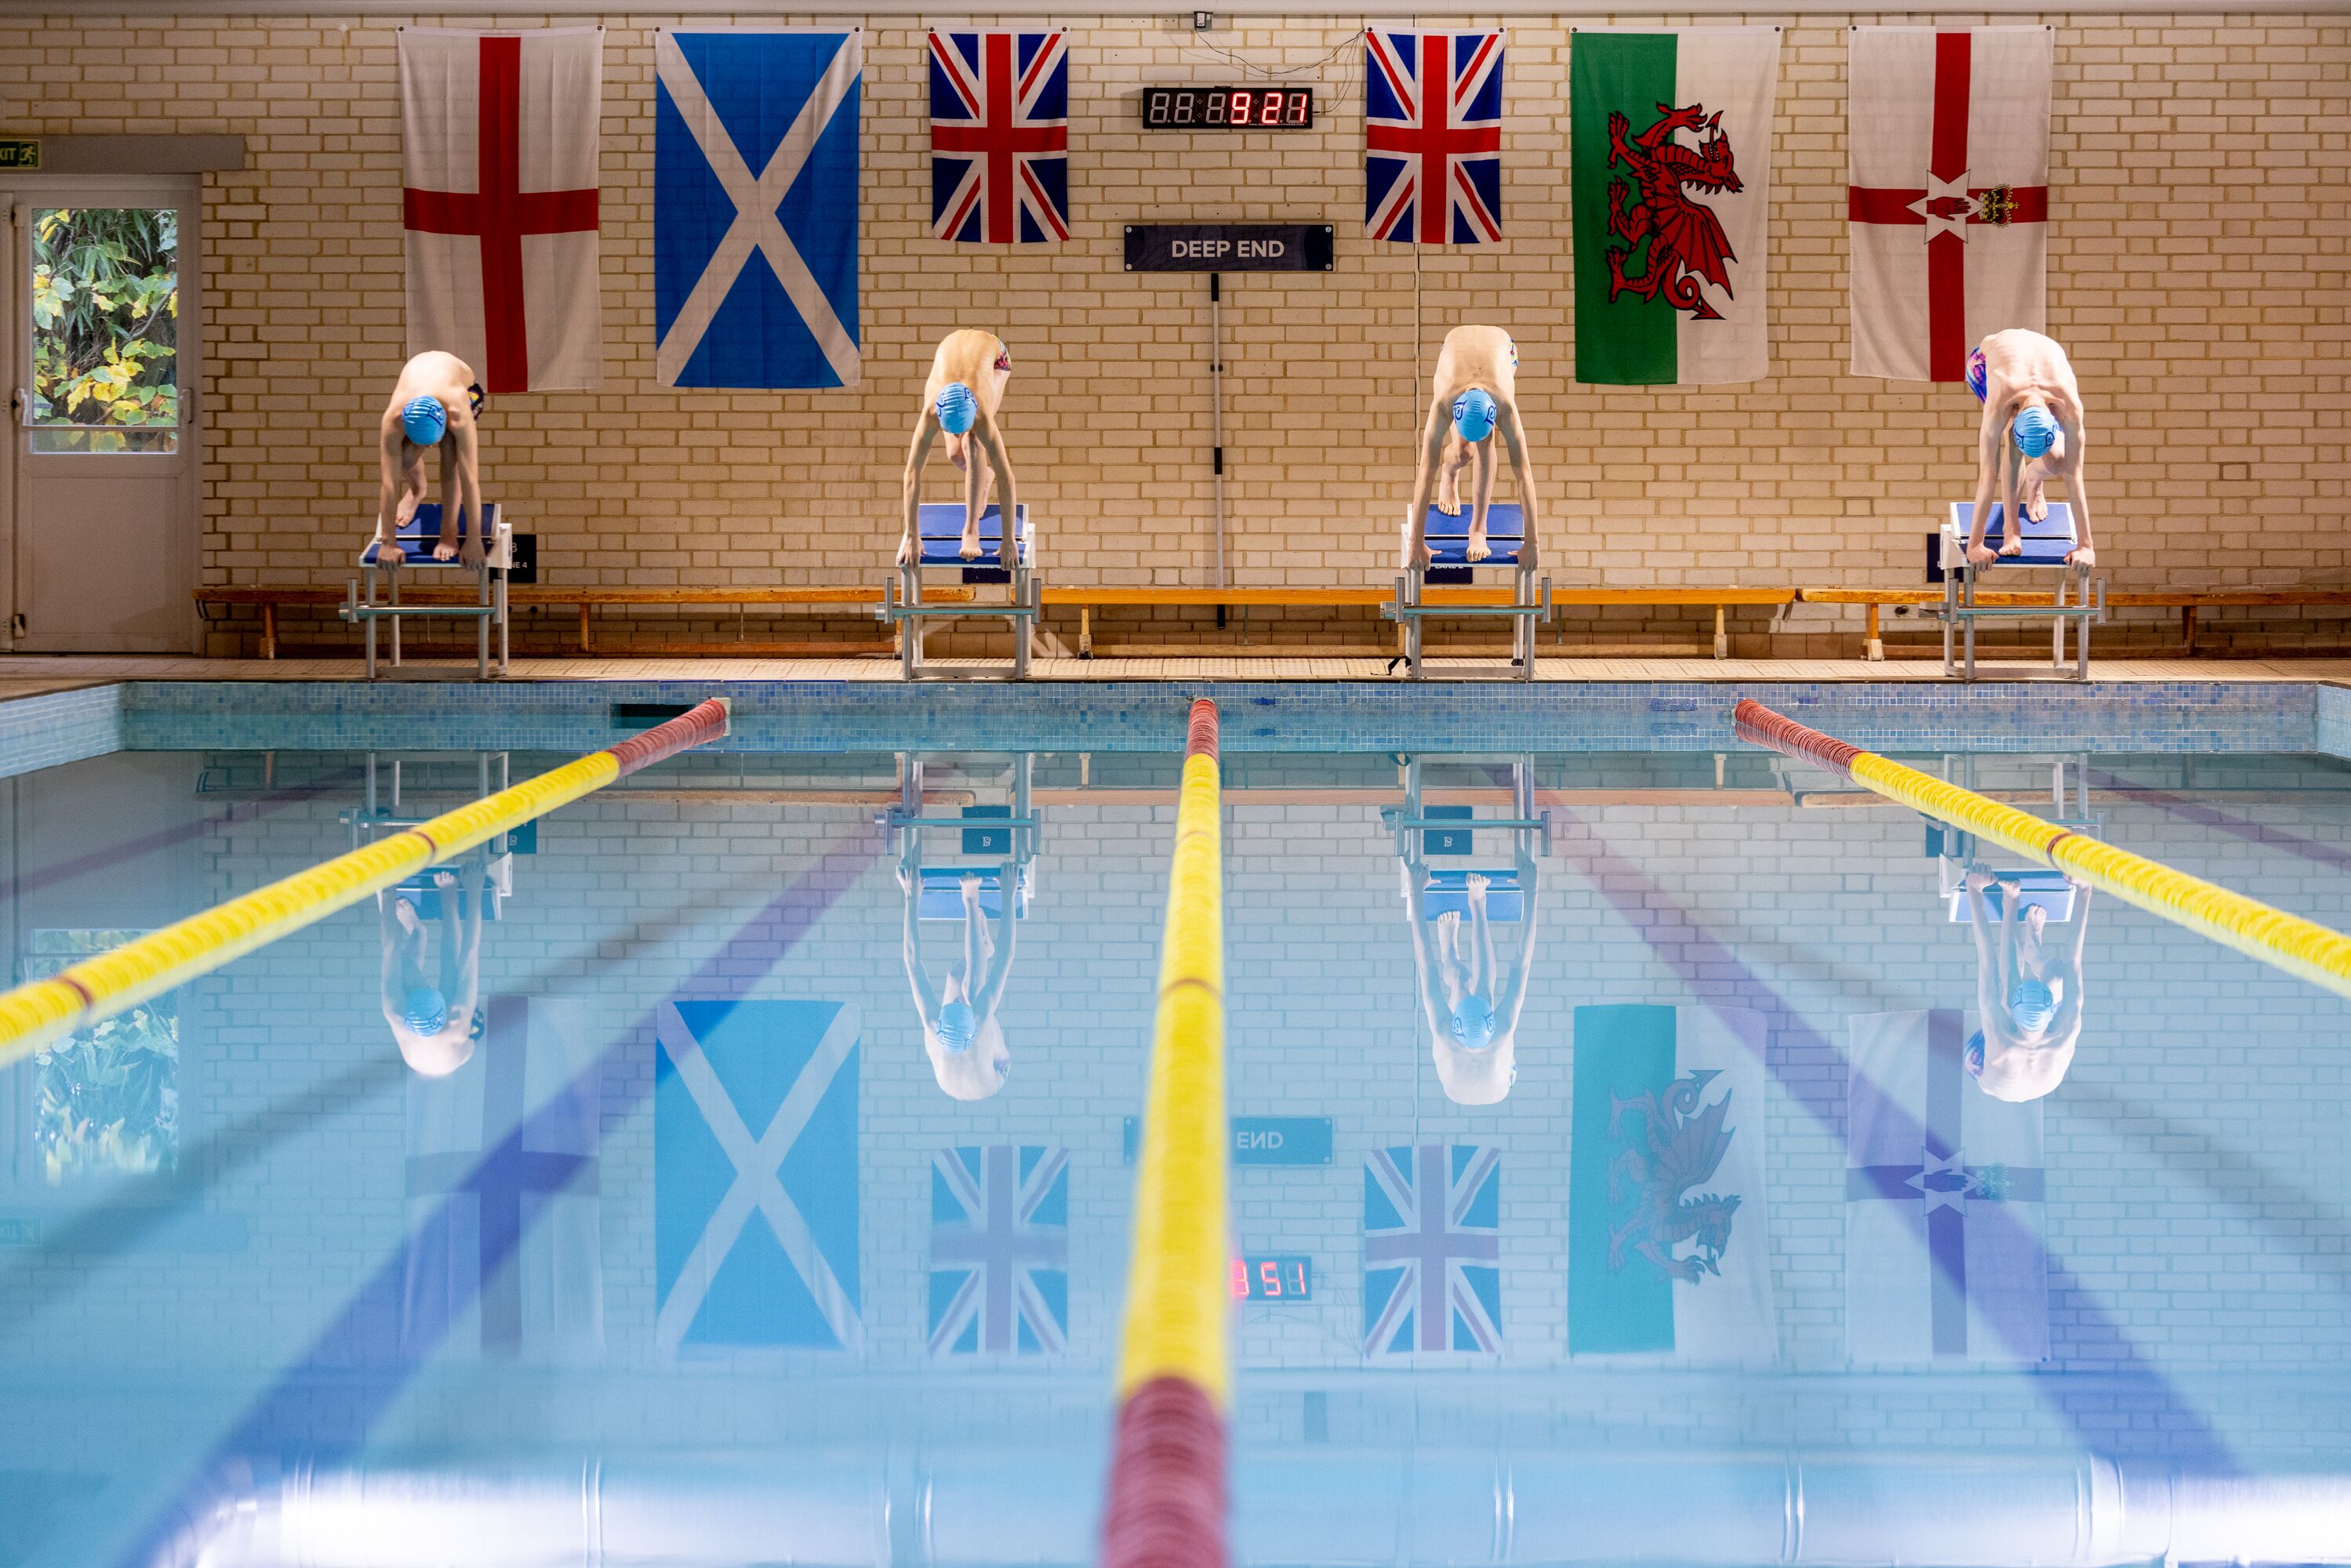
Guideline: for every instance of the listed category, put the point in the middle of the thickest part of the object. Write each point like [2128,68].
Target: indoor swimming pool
[735,1166]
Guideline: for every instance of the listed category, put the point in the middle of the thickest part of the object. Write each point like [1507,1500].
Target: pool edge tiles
[48,729]
[2205,716]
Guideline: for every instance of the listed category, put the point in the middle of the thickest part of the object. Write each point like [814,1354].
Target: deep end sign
[1267,1140]
[1228,247]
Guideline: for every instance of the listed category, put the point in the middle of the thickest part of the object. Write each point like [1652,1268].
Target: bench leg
[1873,643]
[269,631]
[1085,631]
[1721,638]
[584,640]
[2188,627]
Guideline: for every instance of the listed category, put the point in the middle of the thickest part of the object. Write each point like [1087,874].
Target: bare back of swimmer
[1473,395]
[2032,431]
[959,401]
[434,404]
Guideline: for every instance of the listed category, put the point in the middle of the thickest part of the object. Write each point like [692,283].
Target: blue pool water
[713,1253]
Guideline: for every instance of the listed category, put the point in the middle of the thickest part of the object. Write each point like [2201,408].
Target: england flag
[1000,1250]
[755,208]
[1000,136]
[1432,137]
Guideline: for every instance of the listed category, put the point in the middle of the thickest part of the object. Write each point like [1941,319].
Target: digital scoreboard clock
[1273,1277]
[1228,109]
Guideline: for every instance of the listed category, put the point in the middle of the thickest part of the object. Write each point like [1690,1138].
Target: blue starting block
[942,894]
[417,538]
[1447,893]
[2046,544]
[2047,890]
[939,531]
[1448,544]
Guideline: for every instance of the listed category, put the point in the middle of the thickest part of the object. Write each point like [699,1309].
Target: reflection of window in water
[106,1098]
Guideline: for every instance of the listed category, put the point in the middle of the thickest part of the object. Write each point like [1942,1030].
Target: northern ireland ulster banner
[499,156]
[1949,198]
[1672,158]
[755,208]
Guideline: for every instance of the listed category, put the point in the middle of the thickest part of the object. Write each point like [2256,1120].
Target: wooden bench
[585,600]
[2187,603]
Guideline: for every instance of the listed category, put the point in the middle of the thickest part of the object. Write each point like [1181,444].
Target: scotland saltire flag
[1432,1250]
[755,208]
[1000,136]
[1432,137]
[755,1175]
[1000,1250]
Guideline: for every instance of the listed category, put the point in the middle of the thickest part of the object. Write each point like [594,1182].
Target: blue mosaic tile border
[2333,720]
[56,728]
[2198,716]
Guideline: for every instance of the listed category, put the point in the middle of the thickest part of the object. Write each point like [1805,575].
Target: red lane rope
[1201,738]
[1166,1504]
[1759,724]
[703,721]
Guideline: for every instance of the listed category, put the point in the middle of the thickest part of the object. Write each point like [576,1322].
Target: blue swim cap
[424,420]
[2032,1004]
[424,1009]
[1975,1054]
[2034,429]
[1473,1023]
[958,1026]
[957,409]
[1978,377]
[1473,415]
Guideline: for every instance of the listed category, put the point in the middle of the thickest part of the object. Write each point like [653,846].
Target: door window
[106,318]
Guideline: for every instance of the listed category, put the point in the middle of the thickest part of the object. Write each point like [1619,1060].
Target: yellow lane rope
[32,1015]
[2301,948]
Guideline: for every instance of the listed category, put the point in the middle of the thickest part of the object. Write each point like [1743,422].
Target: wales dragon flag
[1672,156]
[1668,1235]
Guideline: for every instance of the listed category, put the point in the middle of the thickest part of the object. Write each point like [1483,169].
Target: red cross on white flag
[1949,198]
[499,151]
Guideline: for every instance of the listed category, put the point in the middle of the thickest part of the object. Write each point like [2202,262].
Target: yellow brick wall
[2196,252]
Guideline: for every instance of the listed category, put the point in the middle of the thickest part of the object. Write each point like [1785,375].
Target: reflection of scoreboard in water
[1272,1277]
[1227,109]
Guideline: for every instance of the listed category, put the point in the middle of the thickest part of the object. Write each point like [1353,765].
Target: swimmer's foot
[1448,496]
[970,549]
[1479,549]
[446,549]
[2082,555]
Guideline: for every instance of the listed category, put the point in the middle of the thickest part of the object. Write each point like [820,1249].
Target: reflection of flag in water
[1668,1240]
[1000,1250]
[502,1191]
[1433,1249]
[1943,1257]
[1432,137]
[755,1236]
[1000,136]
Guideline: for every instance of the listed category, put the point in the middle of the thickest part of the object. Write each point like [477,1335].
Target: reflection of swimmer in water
[435,1025]
[2028,992]
[1469,1002]
[960,1031]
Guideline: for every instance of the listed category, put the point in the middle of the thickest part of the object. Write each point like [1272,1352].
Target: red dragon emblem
[1678,1144]
[1686,241]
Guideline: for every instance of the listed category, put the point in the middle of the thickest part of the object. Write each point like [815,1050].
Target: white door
[103,334]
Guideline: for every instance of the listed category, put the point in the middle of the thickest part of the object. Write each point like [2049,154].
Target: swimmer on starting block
[435,1025]
[960,1031]
[2028,994]
[2032,433]
[1474,394]
[965,388]
[1469,1003]
[434,404]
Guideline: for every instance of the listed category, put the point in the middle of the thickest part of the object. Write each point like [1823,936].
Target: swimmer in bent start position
[1469,1002]
[1474,394]
[961,1033]
[965,388]
[2028,992]
[2031,432]
[436,403]
[435,1025]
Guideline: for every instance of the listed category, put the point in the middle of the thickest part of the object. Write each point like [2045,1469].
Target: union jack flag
[1432,1250]
[1000,1250]
[1432,137]
[1000,136]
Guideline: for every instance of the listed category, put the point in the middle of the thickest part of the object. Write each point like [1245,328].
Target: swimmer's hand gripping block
[1447,893]
[422,532]
[1449,538]
[2046,542]
[942,533]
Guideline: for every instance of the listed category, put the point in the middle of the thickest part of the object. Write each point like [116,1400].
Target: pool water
[1693,1242]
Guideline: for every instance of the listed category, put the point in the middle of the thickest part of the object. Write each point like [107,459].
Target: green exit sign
[20,151]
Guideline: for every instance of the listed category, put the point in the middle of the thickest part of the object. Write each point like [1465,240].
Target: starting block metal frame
[940,530]
[1423,830]
[2080,601]
[416,540]
[384,808]
[1451,566]
[1957,852]
[990,836]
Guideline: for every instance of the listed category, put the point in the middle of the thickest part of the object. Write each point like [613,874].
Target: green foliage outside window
[106,318]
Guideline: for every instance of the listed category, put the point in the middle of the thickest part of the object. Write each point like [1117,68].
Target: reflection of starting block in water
[2047,890]
[1447,893]
[2046,545]
[416,539]
[940,526]
[498,886]
[1448,544]
[943,891]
